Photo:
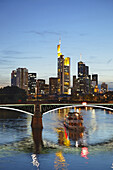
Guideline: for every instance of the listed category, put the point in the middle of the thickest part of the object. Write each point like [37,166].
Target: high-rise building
[66,75]
[40,86]
[19,78]
[22,78]
[31,83]
[63,72]
[74,81]
[83,85]
[95,79]
[53,85]
[81,69]
[13,78]
[104,87]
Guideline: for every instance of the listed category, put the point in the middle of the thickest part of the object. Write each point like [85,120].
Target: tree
[12,94]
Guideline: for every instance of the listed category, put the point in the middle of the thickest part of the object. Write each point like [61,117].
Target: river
[55,147]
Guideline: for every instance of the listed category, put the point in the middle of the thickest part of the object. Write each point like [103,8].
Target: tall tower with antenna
[63,71]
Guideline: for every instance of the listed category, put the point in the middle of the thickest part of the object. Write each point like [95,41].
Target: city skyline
[30,32]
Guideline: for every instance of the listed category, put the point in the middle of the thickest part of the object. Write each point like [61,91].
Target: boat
[74,121]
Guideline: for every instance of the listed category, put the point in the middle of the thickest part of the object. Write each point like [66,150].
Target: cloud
[20,58]
[105,69]
[11,52]
[4,62]
[44,32]
[83,34]
[93,62]
[109,61]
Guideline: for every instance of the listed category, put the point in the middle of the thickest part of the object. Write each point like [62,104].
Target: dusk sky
[30,31]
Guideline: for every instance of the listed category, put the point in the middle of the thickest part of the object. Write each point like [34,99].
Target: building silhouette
[13,78]
[95,79]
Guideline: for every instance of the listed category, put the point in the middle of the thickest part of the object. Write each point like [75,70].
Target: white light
[84,103]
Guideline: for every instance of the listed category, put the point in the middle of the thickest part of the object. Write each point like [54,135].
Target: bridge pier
[37,138]
[37,118]
[37,121]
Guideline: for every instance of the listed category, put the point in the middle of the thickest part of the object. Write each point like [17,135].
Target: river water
[55,147]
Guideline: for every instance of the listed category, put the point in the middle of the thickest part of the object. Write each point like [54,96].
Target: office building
[53,85]
[63,72]
[95,79]
[13,78]
[83,84]
[31,83]
[40,86]
[19,78]
[66,75]
[104,87]
[22,78]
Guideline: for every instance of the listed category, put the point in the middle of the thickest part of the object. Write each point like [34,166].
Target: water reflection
[84,152]
[13,126]
[98,127]
[60,162]
[37,138]
[63,138]
[35,161]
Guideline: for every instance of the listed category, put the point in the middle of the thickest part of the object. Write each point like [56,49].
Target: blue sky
[30,31]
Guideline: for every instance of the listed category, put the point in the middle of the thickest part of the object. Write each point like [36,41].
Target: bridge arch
[82,106]
[18,110]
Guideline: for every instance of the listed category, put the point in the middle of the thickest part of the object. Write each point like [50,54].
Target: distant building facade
[83,81]
[32,83]
[19,78]
[40,86]
[53,85]
[13,78]
[104,87]
[66,75]
[95,79]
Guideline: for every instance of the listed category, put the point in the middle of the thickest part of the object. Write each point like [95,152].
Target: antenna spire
[59,40]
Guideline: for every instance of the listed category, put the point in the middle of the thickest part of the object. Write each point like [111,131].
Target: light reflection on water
[14,126]
[99,129]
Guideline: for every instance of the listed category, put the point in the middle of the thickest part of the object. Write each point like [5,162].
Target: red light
[84,152]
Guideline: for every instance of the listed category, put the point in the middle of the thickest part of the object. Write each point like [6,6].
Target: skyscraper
[95,79]
[104,87]
[53,85]
[63,72]
[22,78]
[83,78]
[81,69]
[66,75]
[13,78]
[40,84]
[19,78]
[31,83]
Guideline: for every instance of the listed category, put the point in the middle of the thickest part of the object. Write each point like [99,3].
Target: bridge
[37,109]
